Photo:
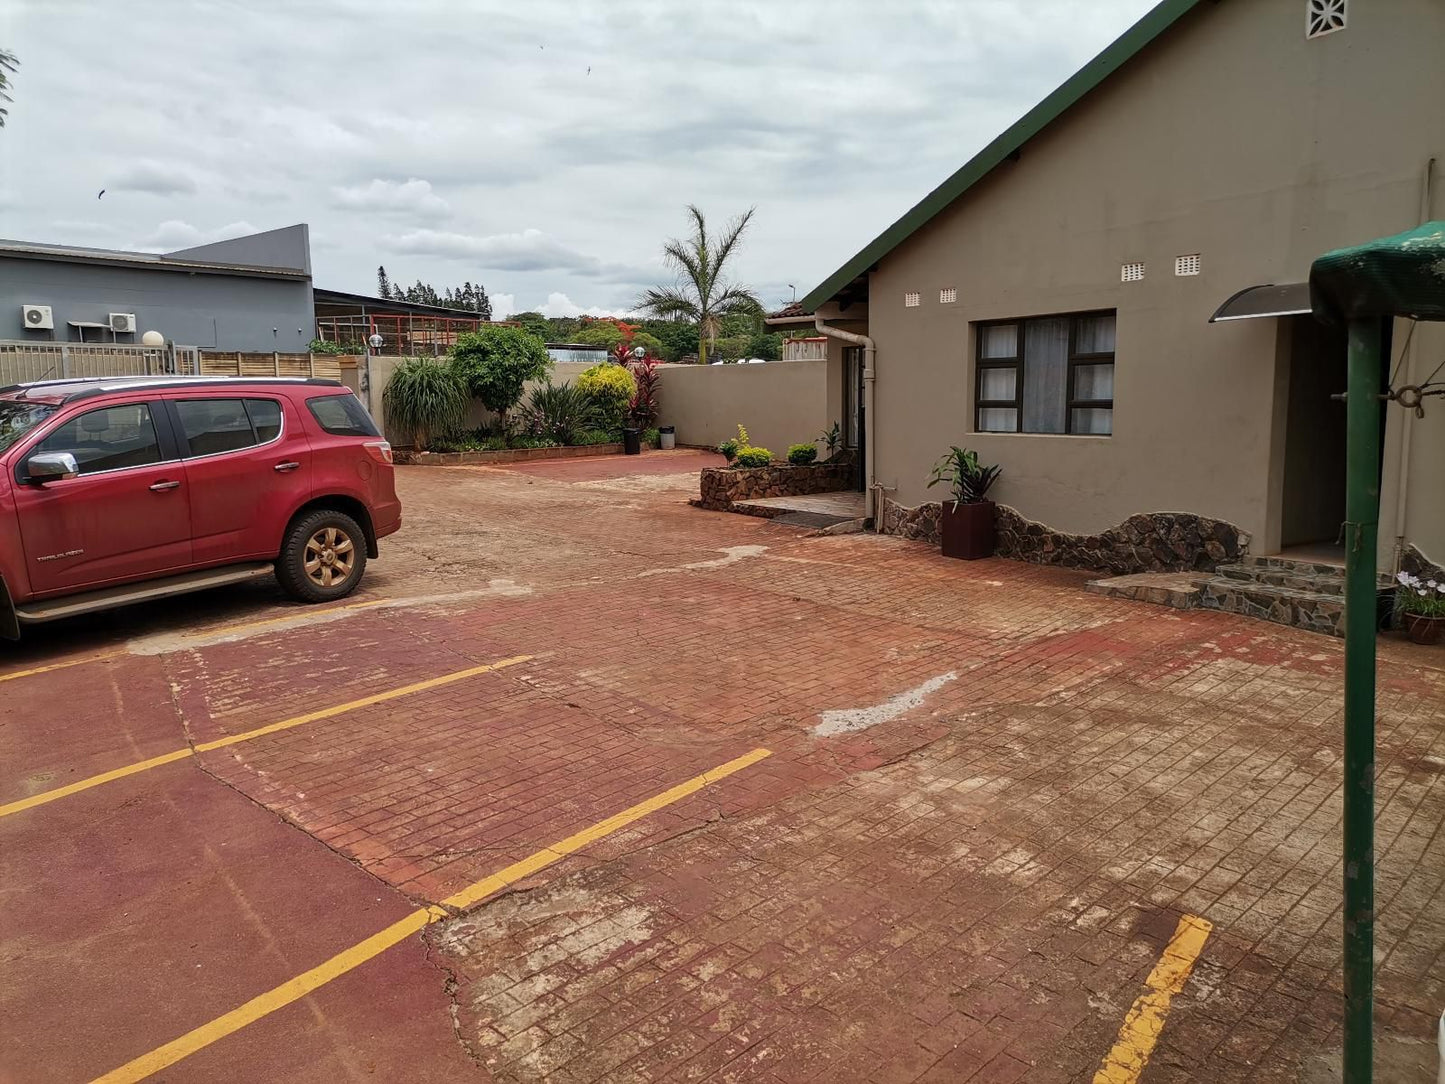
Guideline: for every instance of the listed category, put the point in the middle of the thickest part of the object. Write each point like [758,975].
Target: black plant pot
[632,441]
[967,530]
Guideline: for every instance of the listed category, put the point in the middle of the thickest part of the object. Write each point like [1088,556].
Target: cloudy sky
[543,149]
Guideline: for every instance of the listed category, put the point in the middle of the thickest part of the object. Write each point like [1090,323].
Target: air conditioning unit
[122,321]
[37,317]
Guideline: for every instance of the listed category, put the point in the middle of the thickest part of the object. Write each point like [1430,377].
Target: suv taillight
[379,450]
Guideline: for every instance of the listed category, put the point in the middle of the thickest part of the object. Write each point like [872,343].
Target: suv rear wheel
[323,557]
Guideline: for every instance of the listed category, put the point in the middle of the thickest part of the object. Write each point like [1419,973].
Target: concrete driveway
[587,784]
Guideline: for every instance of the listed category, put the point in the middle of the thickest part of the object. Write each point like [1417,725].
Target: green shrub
[558,413]
[595,436]
[610,387]
[651,437]
[802,454]
[494,363]
[753,457]
[335,349]
[728,449]
[423,399]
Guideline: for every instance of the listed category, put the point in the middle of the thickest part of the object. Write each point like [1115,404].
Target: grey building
[249,293]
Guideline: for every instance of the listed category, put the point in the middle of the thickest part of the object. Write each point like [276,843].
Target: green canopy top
[1402,275]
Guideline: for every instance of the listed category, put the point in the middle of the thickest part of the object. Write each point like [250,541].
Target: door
[125,517]
[248,466]
[855,434]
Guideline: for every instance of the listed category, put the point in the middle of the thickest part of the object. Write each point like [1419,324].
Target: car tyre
[323,557]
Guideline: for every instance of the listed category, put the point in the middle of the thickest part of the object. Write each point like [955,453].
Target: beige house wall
[1233,137]
[781,402]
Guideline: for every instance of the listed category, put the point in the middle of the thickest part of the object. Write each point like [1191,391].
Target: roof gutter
[870,358]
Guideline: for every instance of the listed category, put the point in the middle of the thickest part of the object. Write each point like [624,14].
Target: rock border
[722,487]
[1147,542]
[506,455]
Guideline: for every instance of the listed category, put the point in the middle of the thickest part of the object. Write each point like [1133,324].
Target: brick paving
[973,888]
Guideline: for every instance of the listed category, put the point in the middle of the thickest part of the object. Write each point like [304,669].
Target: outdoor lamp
[376,341]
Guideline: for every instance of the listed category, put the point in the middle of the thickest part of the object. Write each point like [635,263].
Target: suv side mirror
[51,467]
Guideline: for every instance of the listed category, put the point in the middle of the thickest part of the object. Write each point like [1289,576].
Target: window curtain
[1046,374]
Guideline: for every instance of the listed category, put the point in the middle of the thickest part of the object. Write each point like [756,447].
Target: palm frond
[736,300]
[666,304]
[731,236]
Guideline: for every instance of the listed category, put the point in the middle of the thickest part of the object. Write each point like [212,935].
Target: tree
[678,337]
[702,293]
[8,63]
[534,322]
[383,284]
[600,333]
[496,362]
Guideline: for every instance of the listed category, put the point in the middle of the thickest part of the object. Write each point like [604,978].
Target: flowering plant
[1421,598]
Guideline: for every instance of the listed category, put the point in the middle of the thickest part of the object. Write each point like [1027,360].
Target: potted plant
[1422,604]
[967,524]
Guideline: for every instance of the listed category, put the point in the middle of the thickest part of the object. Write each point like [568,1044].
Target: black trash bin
[632,441]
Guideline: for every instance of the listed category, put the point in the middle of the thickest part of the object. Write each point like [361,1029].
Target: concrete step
[1181,590]
[1297,575]
[1315,611]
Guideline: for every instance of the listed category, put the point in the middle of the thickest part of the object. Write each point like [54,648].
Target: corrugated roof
[35,250]
[1159,19]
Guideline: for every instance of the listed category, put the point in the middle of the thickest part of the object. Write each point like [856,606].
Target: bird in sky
[102,192]
[589,69]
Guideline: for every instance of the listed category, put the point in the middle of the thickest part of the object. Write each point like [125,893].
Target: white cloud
[153,178]
[503,305]
[411,197]
[175,234]
[530,250]
[561,305]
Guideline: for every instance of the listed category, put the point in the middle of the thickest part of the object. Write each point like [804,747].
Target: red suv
[118,490]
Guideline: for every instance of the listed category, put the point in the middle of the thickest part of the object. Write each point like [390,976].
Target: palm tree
[8,64]
[702,295]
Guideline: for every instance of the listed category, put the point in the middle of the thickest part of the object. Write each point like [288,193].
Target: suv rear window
[342,416]
[212,426]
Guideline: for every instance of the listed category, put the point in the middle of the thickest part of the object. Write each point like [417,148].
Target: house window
[1187,265]
[911,299]
[948,295]
[1131,272]
[1048,374]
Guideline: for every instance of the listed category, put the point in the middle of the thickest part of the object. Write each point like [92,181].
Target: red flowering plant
[643,409]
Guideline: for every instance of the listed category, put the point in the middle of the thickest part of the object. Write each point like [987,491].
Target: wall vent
[1131,272]
[1324,17]
[912,300]
[1187,265]
[947,296]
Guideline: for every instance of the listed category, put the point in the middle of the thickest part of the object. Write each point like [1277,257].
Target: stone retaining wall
[722,486]
[1148,542]
[1417,564]
[508,455]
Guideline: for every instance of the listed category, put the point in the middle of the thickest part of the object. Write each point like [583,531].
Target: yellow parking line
[286,724]
[280,996]
[1141,1028]
[48,667]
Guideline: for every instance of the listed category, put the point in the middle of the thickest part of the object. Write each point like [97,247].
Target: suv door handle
[282,468]
[161,487]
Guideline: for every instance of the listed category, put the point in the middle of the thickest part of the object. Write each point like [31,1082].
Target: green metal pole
[1362,515]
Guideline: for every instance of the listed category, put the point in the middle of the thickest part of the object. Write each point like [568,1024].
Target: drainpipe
[870,355]
[1402,495]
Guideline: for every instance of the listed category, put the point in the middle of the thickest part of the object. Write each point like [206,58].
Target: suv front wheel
[323,556]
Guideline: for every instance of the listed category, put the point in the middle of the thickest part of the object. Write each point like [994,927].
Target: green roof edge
[1157,20]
